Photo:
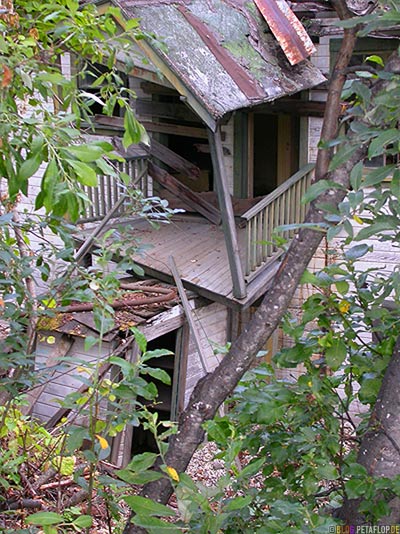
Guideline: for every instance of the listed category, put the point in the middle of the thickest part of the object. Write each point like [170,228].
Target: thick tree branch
[329,129]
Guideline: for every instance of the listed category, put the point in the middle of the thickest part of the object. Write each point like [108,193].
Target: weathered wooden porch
[202,252]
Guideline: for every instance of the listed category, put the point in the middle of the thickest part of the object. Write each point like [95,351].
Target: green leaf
[158,374]
[341,156]
[309,278]
[375,59]
[377,146]
[333,231]
[29,167]
[316,189]
[356,487]
[369,390]
[357,251]
[374,229]
[86,153]
[155,525]
[291,357]
[395,184]
[328,472]
[336,354]
[342,286]
[76,437]
[157,353]
[378,175]
[142,505]
[141,462]
[83,521]
[85,174]
[44,518]
[139,478]
[140,339]
[238,503]
[252,468]
[356,175]
[133,129]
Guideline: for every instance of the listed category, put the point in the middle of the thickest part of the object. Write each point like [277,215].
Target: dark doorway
[169,395]
[276,151]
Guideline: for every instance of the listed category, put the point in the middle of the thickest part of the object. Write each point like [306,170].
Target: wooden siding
[62,383]
[212,322]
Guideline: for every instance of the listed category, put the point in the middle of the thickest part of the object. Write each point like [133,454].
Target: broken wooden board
[171,129]
[185,193]
[166,110]
[174,160]
[287,29]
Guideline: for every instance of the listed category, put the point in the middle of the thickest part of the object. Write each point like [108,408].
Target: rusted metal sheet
[288,30]
[247,84]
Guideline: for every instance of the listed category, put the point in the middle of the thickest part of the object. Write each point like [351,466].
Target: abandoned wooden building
[233,106]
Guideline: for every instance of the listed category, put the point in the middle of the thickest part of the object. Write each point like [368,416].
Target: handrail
[278,191]
[281,207]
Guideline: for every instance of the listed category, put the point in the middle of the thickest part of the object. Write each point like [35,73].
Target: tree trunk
[379,451]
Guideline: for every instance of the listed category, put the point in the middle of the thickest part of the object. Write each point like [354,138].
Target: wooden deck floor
[199,251]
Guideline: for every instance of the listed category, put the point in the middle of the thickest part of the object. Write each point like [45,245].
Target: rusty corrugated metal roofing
[288,30]
[221,50]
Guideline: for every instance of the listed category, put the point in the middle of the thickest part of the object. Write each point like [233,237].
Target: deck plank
[199,250]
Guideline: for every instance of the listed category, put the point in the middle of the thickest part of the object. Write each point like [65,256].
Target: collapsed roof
[219,54]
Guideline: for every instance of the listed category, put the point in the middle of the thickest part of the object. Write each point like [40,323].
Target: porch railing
[110,189]
[282,206]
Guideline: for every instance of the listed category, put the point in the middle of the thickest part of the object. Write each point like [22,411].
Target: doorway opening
[276,150]
[170,396]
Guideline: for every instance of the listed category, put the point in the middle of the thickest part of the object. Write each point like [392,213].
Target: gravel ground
[204,468]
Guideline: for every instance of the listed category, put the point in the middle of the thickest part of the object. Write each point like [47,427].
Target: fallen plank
[185,193]
[165,110]
[172,129]
[103,370]
[174,160]
[188,313]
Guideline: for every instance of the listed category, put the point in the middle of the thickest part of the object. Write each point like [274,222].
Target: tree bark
[379,451]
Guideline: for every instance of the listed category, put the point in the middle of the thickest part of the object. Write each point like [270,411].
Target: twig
[77,498]
[20,504]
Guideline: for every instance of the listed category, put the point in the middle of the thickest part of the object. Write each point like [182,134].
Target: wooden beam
[188,313]
[171,129]
[185,193]
[304,108]
[166,110]
[151,88]
[228,218]
[173,160]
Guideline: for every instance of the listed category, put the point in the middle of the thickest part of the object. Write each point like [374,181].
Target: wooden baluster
[253,244]
[109,181]
[248,247]
[89,209]
[288,206]
[271,228]
[264,237]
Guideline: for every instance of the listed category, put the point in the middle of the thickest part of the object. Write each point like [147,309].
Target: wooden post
[228,219]
[188,313]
